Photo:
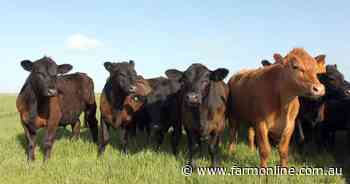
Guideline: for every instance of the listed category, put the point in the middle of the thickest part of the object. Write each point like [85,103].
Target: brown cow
[311,110]
[48,100]
[122,95]
[268,99]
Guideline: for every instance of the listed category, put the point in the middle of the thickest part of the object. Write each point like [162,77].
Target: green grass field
[75,161]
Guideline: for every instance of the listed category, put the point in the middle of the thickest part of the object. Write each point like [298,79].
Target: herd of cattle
[297,91]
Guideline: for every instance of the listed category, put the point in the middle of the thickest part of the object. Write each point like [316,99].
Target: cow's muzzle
[132,89]
[51,92]
[193,99]
[317,90]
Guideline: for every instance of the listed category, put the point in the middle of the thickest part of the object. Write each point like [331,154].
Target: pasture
[75,161]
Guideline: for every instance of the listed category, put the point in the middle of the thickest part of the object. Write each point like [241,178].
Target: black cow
[337,104]
[319,118]
[161,110]
[203,107]
[121,97]
[50,100]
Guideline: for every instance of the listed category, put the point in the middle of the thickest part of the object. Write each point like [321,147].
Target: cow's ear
[278,58]
[65,68]
[27,65]
[218,74]
[265,63]
[321,59]
[108,66]
[139,77]
[174,74]
[132,63]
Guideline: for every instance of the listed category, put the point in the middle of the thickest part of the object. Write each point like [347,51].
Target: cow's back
[254,94]
[161,104]
[76,92]
[163,89]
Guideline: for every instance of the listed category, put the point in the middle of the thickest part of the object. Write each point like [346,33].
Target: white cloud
[81,42]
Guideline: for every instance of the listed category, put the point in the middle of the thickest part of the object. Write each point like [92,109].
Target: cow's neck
[215,97]
[115,95]
[119,100]
[118,107]
[35,102]
[30,100]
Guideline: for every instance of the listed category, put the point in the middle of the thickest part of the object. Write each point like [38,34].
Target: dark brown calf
[48,100]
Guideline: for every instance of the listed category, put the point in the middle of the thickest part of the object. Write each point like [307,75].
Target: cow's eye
[40,74]
[295,67]
[122,74]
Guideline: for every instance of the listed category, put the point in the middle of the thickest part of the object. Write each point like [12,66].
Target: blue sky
[160,35]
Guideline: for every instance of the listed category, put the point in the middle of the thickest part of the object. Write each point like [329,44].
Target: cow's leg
[319,136]
[214,150]
[148,133]
[124,136]
[159,136]
[91,121]
[104,137]
[49,140]
[76,129]
[301,138]
[55,115]
[30,134]
[251,138]
[332,140]
[263,143]
[176,137]
[192,147]
[348,141]
[298,137]
[233,130]
[283,146]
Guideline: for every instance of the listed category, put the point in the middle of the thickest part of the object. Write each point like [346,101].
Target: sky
[159,35]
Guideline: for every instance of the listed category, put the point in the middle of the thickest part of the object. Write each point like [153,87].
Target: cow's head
[123,76]
[196,80]
[334,81]
[320,59]
[43,75]
[300,72]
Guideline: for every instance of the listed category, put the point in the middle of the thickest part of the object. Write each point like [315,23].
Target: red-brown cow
[268,99]
[310,113]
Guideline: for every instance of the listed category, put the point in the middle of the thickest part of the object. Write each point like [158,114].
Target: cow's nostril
[193,98]
[315,89]
[132,88]
[347,92]
[52,92]
[318,90]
